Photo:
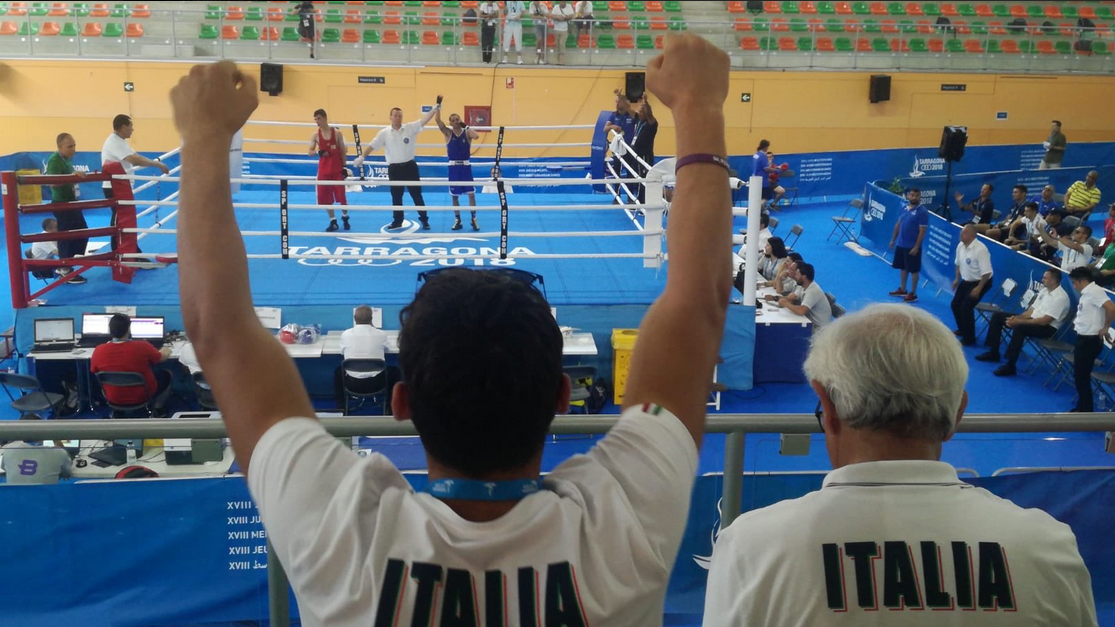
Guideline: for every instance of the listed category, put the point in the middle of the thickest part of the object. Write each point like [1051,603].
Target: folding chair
[126,380]
[203,393]
[32,398]
[845,222]
[581,379]
[365,366]
[790,198]
[1065,367]
[1048,351]
[837,310]
[795,232]
[990,308]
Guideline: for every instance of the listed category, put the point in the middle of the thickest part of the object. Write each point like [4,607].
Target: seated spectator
[982,208]
[1105,268]
[786,281]
[362,341]
[1075,250]
[123,354]
[1083,196]
[1108,230]
[764,232]
[1025,234]
[32,462]
[894,537]
[812,303]
[45,250]
[774,257]
[1045,201]
[1056,228]
[583,18]
[1041,320]
[1009,222]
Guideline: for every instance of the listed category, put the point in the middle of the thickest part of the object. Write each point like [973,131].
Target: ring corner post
[125,219]
[17,274]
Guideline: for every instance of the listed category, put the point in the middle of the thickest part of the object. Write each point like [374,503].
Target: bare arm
[679,339]
[341,145]
[140,161]
[313,146]
[472,135]
[430,115]
[441,125]
[253,379]
[921,237]
[1067,241]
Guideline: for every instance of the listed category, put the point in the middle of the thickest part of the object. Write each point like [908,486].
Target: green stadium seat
[805,44]
[907,26]
[69,29]
[331,36]
[932,9]
[636,6]
[918,45]
[826,8]
[1027,46]
[967,9]
[599,6]
[872,26]
[38,9]
[1070,12]
[768,43]
[677,23]
[1034,9]
[1100,48]
[1104,12]
[1001,10]
[28,29]
[411,18]
[249,33]
[762,25]
[644,42]
[844,44]
[880,44]
[1063,47]
[371,36]
[289,34]
[640,22]
[791,8]
[979,28]
[529,40]
[451,4]
[120,11]
[213,12]
[114,29]
[955,46]
[994,47]
[208,31]
[834,25]
[334,16]
[896,8]
[413,3]
[292,16]
[798,25]
[861,8]
[254,14]
[672,6]
[373,17]
[81,9]
[604,42]
[411,38]
[374,3]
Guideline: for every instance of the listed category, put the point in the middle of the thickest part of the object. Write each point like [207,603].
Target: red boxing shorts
[329,194]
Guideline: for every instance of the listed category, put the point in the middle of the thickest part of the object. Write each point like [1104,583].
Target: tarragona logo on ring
[390,250]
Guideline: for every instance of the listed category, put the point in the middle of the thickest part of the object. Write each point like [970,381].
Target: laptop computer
[149,329]
[94,330]
[53,335]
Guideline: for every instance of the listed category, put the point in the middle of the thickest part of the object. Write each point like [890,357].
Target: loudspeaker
[635,86]
[953,140]
[271,78]
[880,88]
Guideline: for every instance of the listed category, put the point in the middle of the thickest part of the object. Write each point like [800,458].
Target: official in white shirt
[1094,314]
[362,341]
[117,149]
[973,280]
[894,537]
[1041,320]
[399,143]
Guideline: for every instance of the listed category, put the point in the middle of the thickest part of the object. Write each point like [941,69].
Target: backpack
[469,17]
[598,394]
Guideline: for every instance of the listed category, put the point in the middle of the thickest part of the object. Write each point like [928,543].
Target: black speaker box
[953,140]
[880,88]
[271,78]
[635,86]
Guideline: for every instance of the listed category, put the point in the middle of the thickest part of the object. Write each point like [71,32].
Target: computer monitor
[148,328]
[54,330]
[95,325]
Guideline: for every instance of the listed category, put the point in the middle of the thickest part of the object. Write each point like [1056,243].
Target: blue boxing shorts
[460,174]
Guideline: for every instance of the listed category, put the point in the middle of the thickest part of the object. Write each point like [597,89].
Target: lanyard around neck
[470,490]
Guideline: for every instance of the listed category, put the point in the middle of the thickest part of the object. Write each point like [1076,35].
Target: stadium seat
[331,36]
[936,45]
[94,29]
[134,30]
[834,25]
[1052,11]
[392,18]
[931,9]
[742,24]
[974,46]
[269,33]
[826,8]
[654,7]
[50,29]
[254,14]
[772,7]
[863,45]
[632,5]
[918,45]
[899,45]
[809,8]
[248,33]
[17,9]
[606,42]
[620,24]
[470,38]
[949,10]
[234,13]
[60,9]
[291,34]
[1010,46]
[228,31]
[1000,10]
[979,28]
[798,25]
[69,29]
[880,44]
[412,38]
[997,28]
[677,23]
[1027,47]
[617,7]
[984,10]
[805,44]
[872,26]
[1063,47]
[861,8]
[878,8]
[925,27]
[787,44]
[1101,48]
[1088,12]
[768,43]
[208,31]
[907,27]
[584,40]
[889,27]
[274,14]
[750,44]
[371,36]
[914,8]
[824,44]
[843,8]
[39,9]
[431,38]
[779,25]
[644,42]
[659,22]
[1019,10]
[966,9]
[791,8]
[80,9]
[844,44]
[1034,9]
[896,8]
[431,19]
[373,17]
[672,6]
[625,42]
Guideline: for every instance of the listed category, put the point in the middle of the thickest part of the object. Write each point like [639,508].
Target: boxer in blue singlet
[458,143]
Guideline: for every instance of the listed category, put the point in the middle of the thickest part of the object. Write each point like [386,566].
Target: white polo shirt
[1054,304]
[974,260]
[1071,259]
[1090,318]
[116,148]
[363,341]
[44,250]
[900,543]
[594,547]
[398,146]
[562,26]
[1033,227]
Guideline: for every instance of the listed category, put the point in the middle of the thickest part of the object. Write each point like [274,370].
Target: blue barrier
[138,553]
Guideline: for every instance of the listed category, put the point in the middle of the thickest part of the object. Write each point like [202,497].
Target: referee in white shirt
[399,142]
[1094,314]
[973,280]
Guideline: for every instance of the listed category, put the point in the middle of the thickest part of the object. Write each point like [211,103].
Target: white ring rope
[433,208]
[630,151]
[475,146]
[388,183]
[428,127]
[622,182]
[510,256]
[418,236]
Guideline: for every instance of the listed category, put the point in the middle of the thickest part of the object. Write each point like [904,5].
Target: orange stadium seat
[889,26]
[470,38]
[390,37]
[350,36]
[393,18]
[879,8]
[936,45]
[141,11]
[1053,11]
[1018,10]
[843,8]
[50,29]
[431,19]
[654,7]
[271,33]
[434,4]
[230,32]
[134,30]
[772,7]
[751,44]
[353,16]
[914,9]
[808,8]
[92,29]
[430,38]
[17,9]
[394,3]
[780,25]
[743,24]
[736,7]
[787,44]
[949,10]
[984,10]
[658,41]
[659,22]
[824,44]
[625,42]
[275,14]
[60,9]
[899,45]
[470,4]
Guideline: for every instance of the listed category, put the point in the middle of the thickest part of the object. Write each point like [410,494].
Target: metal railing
[736,426]
[615,39]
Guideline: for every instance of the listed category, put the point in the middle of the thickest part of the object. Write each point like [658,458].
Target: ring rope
[387,183]
[420,257]
[418,236]
[435,208]
[434,128]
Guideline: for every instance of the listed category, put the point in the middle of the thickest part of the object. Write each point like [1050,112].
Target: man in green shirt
[61,163]
[1054,148]
[1105,267]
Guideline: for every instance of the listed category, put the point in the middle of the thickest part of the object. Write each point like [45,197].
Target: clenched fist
[213,101]
[690,73]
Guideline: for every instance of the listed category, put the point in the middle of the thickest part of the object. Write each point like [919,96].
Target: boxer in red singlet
[329,146]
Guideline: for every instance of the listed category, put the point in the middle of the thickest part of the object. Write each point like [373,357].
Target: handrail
[1023,469]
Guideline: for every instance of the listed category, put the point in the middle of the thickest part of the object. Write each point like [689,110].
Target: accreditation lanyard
[470,490]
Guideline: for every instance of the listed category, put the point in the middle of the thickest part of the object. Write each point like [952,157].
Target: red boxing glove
[785,166]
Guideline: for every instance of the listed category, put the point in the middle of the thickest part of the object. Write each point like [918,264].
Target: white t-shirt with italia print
[594,547]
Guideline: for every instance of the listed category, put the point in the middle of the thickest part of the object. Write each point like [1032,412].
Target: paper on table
[127,311]
[270,317]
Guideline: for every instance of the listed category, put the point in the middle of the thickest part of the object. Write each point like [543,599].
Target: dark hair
[394,109]
[1030,205]
[777,247]
[1021,187]
[1056,274]
[119,325]
[1082,273]
[764,219]
[1087,229]
[1057,122]
[49,222]
[321,112]
[120,122]
[913,189]
[1055,212]
[792,256]
[764,144]
[806,270]
[481,358]
[61,138]
[989,186]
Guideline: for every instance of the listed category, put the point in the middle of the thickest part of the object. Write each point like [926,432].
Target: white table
[153,458]
[576,344]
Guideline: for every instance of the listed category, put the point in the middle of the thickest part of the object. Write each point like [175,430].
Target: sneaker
[457,226]
[504,59]
[344,220]
[78,280]
[988,356]
[475,225]
[425,225]
[332,226]
[394,226]
[910,298]
[1006,370]
[898,292]
[520,60]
